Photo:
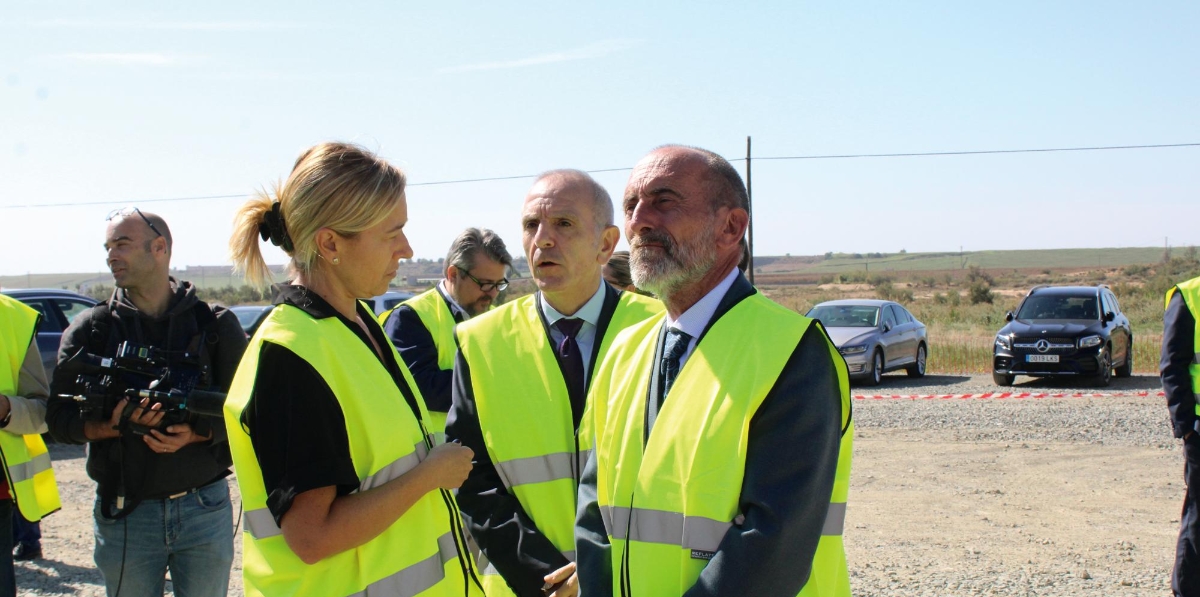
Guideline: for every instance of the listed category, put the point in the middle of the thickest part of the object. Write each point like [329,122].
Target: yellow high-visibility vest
[525,413]
[670,499]
[435,314]
[26,462]
[1190,292]
[421,552]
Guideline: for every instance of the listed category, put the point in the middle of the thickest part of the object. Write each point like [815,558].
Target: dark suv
[1063,331]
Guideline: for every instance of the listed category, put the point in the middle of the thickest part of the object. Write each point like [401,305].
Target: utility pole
[750,205]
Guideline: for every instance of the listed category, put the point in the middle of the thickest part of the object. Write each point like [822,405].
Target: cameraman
[162,498]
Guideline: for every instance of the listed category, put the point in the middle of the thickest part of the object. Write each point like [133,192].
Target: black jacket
[126,466]
[417,347]
[1178,350]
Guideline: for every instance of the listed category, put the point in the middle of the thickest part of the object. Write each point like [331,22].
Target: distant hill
[832,263]
[770,267]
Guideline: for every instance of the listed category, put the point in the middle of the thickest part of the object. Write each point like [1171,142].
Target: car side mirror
[887,327]
[1109,316]
[1008,316]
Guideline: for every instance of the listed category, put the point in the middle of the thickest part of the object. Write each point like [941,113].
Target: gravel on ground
[1067,496]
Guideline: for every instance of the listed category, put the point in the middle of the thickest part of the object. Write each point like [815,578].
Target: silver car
[874,337]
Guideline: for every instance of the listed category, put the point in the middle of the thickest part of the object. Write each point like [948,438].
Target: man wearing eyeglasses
[422,328]
[520,387]
[162,501]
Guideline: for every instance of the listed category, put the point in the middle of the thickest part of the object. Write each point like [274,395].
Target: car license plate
[1041,358]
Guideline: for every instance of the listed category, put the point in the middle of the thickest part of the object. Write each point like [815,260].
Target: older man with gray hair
[422,328]
[520,384]
[723,431]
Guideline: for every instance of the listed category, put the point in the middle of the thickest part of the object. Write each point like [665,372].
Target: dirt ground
[934,510]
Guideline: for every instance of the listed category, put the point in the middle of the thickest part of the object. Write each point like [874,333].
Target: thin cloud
[124,59]
[596,50]
[140,25]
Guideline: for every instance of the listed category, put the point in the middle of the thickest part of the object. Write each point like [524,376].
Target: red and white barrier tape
[1006,395]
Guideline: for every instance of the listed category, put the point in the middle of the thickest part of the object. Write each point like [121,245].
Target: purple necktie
[571,361]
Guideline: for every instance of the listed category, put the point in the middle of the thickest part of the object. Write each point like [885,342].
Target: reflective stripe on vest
[525,412]
[417,554]
[1190,292]
[260,523]
[27,470]
[24,458]
[670,500]
[691,532]
[538,469]
[418,577]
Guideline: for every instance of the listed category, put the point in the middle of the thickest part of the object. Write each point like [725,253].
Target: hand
[173,439]
[563,582]
[145,414]
[449,464]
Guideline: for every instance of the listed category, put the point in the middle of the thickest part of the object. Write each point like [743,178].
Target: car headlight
[856,349]
[1004,342]
[1090,341]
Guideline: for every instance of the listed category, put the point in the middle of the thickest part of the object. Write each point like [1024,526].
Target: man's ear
[608,243]
[159,245]
[733,228]
[451,272]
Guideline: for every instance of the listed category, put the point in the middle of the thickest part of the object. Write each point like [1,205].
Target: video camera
[138,372]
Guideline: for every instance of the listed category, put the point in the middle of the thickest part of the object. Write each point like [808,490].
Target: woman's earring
[336,261]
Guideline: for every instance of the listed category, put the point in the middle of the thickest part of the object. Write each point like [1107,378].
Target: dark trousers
[25,533]
[1185,581]
[8,579]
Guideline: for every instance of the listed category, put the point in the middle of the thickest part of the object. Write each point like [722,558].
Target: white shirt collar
[454,306]
[589,312]
[693,321]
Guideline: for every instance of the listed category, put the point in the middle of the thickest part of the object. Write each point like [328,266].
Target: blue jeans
[24,532]
[192,535]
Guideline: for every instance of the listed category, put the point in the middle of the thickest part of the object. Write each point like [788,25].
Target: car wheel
[917,369]
[1126,368]
[1106,370]
[876,374]
[1003,379]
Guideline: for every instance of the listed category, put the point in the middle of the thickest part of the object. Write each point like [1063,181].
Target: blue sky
[144,101]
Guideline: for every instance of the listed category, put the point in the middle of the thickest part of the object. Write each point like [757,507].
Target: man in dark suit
[723,431]
[1180,369]
[520,383]
[422,328]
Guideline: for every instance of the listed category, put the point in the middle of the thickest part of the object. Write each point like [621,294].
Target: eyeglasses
[500,284]
[126,211]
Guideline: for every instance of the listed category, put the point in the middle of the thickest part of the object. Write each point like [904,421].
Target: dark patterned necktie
[572,364]
[673,348]
[675,344]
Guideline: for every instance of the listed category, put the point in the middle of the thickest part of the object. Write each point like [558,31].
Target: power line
[603,170]
[983,152]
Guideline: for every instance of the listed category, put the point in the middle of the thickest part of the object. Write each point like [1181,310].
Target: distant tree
[904,251]
[980,292]
[828,254]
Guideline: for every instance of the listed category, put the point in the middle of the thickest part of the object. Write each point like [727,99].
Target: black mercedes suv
[1064,331]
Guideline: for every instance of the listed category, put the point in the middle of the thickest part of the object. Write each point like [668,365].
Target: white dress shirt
[693,321]
[586,337]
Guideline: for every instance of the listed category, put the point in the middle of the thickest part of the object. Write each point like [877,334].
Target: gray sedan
[874,337]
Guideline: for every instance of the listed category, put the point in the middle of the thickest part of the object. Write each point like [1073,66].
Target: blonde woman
[343,489]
